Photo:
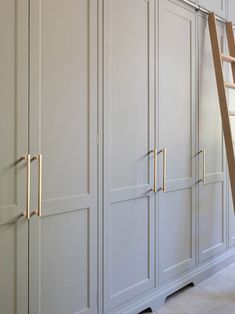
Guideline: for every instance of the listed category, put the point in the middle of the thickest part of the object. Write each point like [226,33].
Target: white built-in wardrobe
[114,190]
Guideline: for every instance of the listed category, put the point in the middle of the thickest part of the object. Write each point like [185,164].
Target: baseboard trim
[156,298]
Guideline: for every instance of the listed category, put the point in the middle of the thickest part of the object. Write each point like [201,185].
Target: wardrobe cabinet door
[176,133]
[128,139]
[230,203]
[212,192]
[14,145]
[217,6]
[63,125]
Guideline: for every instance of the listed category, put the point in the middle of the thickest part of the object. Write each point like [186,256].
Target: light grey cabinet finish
[49,105]
[231,214]
[128,139]
[231,217]
[231,10]
[212,193]
[217,6]
[176,133]
[63,128]
[14,145]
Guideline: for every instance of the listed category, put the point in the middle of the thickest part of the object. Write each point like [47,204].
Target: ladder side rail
[223,101]
[231,48]
[231,45]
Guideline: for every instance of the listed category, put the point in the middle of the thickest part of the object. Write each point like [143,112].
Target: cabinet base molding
[155,298]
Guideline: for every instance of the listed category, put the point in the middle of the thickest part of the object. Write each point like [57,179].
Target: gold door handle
[38,211]
[203,152]
[155,170]
[164,170]
[27,158]
[154,151]
[164,163]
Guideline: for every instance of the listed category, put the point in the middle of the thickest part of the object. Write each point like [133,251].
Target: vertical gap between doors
[28,125]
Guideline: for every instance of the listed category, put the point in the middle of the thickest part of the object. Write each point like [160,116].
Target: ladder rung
[228,59]
[231,113]
[230,85]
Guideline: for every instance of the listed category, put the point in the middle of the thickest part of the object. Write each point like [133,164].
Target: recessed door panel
[176,133]
[176,80]
[211,230]
[64,263]
[65,84]
[132,218]
[64,130]
[14,146]
[128,140]
[128,98]
[231,219]
[211,192]
[7,273]
[175,229]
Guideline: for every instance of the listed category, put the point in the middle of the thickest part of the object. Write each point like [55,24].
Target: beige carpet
[215,295]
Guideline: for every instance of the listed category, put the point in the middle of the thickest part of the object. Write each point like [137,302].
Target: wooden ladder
[218,58]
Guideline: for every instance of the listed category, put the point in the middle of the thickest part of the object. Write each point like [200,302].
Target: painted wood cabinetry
[14,147]
[63,128]
[212,192]
[48,264]
[128,139]
[191,216]
[95,87]
[231,221]
[175,131]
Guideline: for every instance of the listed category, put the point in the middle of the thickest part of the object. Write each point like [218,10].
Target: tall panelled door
[231,107]
[211,176]
[128,142]
[176,140]
[13,164]
[63,128]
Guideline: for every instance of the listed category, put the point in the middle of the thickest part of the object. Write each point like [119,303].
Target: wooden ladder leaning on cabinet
[218,58]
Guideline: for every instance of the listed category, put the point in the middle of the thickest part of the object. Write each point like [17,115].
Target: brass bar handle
[154,151]
[164,151]
[27,158]
[155,170]
[38,211]
[203,152]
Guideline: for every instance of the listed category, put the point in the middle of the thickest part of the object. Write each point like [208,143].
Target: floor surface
[215,295]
